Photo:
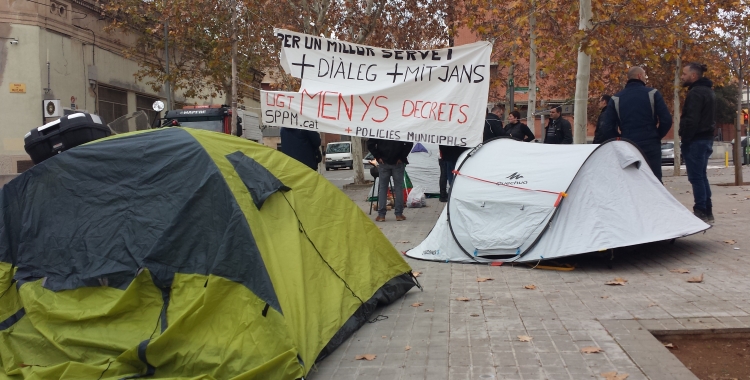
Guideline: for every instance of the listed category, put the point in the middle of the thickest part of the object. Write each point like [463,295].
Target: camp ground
[520,202]
[176,253]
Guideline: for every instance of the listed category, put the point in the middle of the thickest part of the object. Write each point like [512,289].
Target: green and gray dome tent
[181,253]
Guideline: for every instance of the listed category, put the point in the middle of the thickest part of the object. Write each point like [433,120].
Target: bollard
[726,159]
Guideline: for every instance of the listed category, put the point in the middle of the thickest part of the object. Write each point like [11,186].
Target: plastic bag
[416,198]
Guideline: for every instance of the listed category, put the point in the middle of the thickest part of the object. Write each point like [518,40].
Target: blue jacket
[637,120]
[302,145]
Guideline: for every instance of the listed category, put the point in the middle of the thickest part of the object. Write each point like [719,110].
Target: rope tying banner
[560,194]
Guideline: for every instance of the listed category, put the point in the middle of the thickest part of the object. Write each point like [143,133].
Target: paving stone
[567,310]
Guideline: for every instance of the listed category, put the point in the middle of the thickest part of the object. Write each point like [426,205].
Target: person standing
[517,130]
[558,130]
[697,124]
[449,155]
[303,145]
[493,124]
[642,117]
[598,135]
[391,157]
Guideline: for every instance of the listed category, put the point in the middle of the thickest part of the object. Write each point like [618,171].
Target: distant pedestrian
[642,117]
[518,130]
[493,124]
[558,130]
[697,124]
[391,157]
[449,155]
[598,135]
[302,145]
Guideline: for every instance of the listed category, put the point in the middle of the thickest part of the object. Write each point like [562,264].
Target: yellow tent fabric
[201,255]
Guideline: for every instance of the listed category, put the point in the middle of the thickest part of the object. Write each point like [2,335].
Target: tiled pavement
[567,311]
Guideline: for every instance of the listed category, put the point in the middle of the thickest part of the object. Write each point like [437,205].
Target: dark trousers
[446,176]
[696,155]
[652,154]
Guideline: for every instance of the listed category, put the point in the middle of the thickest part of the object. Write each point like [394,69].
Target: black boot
[700,214]
[710,214]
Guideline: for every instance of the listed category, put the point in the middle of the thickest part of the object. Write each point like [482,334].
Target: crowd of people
[638,113]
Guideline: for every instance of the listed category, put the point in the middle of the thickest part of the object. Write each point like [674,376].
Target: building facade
[58,50]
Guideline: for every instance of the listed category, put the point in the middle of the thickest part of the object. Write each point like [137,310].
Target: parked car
[667,154]
[339,155]
[743,150]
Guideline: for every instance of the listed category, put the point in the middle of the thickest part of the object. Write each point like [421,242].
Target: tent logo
[514,176]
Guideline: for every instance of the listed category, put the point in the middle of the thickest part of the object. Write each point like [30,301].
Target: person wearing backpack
[642,117]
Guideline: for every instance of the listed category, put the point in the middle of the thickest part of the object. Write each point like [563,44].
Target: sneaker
[710,215]
[400,218]
[381,218]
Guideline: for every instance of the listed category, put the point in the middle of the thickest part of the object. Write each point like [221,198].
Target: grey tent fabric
[258,180]
[132,221]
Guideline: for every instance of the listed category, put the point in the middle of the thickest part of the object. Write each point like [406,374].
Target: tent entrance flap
[491,228]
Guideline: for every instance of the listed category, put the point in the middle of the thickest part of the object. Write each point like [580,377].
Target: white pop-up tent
[516,201]
[423,168]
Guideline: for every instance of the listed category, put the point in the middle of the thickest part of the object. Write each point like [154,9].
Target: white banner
[435,96]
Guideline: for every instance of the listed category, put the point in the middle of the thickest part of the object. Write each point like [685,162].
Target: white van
[339,155]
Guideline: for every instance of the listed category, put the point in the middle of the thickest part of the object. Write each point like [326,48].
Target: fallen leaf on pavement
[696,279]
[530,287]
[652,304]
[463,299]
[384,336]
[605,297]
[428,310]
[730,242]
[415,273]
[617,281]
[417,304]
[670,345]
[368,357]
[407,348]
[483,279]
[524,338]
[474,315]
[680,270]
[591,350]
[403,241]
[614,376]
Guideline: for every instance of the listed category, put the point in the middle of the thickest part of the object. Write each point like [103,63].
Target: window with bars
[113,103]
[145,103]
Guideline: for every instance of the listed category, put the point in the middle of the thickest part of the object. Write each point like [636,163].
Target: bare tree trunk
[530,119]
[580,109]
[676,117]
[234,67]
[736,156]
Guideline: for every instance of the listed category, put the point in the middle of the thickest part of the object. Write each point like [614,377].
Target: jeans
[652,154]
[446,176]
[385,173]
[696,154]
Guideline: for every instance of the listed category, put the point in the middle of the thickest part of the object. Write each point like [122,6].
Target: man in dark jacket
[697,125]
[493,124]
[598,135]
[558,130]
[301,144]
[518,130]
[642,116]
[391,157]
[449,155]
